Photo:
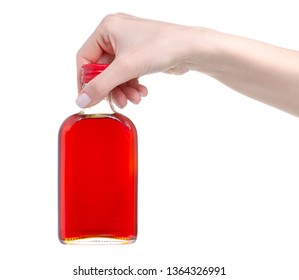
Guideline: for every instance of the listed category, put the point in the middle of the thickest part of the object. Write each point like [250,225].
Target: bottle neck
[105,107]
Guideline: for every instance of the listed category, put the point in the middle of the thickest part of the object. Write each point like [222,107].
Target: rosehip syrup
[97,179]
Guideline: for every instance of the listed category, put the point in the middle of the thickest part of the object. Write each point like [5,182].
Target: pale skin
[136,47]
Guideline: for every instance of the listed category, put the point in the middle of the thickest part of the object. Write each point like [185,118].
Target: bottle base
[97,241]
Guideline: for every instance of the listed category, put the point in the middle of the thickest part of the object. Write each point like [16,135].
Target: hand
[134,47]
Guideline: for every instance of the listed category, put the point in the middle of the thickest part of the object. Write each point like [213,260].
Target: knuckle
[97,86]
[78,55]
[109,20]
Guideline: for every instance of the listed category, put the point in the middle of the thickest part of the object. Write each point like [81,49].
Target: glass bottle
[97,174]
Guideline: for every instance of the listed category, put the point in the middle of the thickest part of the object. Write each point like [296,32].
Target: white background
[218,172]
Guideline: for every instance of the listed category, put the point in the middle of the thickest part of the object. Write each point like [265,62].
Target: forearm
[264,72]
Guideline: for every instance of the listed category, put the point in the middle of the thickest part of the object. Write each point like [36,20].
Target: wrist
[203,50]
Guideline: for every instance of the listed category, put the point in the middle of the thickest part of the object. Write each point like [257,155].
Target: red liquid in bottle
[97,179]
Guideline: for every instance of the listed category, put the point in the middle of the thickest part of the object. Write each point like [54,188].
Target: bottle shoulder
[125,120]
[85,119]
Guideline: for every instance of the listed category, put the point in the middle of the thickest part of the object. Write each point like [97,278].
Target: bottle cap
[89,71]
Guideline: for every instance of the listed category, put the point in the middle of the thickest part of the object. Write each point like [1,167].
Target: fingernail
[83,100]
[143,93]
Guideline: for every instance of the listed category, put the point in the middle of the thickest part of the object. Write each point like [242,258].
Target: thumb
[99,87]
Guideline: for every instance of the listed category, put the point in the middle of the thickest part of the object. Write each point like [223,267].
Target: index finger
[90,52]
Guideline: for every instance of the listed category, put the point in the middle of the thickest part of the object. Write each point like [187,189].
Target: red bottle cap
[89,71]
